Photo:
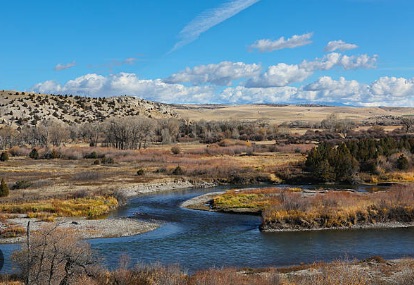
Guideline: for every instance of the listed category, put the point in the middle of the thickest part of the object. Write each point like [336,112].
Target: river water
[198,239]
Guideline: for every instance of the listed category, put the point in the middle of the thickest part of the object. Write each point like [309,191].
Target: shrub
[402,163]
[34,154]
[19,151]
[176,150]
[107,160]
[92,154]
[4,156]
[140,172]
[4,189]
[178,171]
[161,170]
[21,184]
[57,256]
[52,154]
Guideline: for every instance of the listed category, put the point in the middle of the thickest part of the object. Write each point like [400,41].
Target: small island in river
[296,209]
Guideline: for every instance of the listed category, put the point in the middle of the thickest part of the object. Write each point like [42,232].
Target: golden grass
[80,207]
[289,208]
[279,115]
[12,231]
[231,200]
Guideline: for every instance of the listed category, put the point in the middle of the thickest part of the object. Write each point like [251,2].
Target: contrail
[210,18]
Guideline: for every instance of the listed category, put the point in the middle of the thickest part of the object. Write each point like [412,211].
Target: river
[199,239]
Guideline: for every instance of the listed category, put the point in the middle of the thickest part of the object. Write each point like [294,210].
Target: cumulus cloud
[210,18]
[222,73]
[128,84]
[267,45]
[60,66]
[243,95]
[339,45]
[283,74]
[326,89]
[336,59]
[279,75]
[385,91]
[392,86]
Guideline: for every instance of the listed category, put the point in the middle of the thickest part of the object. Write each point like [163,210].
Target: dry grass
[279,115]
[80,207]
[290,209]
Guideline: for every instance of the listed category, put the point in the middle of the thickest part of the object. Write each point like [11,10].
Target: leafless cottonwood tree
[91,132]
[407,122]
[57,256]
[129,133]
[7,137]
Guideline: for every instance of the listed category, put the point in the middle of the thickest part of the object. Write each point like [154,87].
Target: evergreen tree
[402,163]
[34,154]
[344,163]
[4,156]
[4,189]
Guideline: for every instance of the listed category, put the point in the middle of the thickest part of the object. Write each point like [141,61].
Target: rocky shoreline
[105,228]
[164,185]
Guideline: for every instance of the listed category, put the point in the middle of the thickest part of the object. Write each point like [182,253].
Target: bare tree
[57,256]
[340,126]
[169,129]
[129,133]
[7,137]
[408,122]
[58,133]
[91,132]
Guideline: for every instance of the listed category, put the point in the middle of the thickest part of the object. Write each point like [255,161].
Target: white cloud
[209,19]
[360,61]
[325,89]
[222,73]
[279,75]
[266,45]
[339,45]
[283,74]
[394,87]
[325,63]
[336,59]
[386,91]
[128,84]
[60,66]
[243,95]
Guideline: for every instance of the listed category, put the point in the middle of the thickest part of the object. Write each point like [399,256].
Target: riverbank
[161,186]
[102,228]
[396,217]
[87,229]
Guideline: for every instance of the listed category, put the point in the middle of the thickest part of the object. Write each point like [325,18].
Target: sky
[335,52]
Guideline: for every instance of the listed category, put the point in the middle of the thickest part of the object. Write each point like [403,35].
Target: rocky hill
[28,108]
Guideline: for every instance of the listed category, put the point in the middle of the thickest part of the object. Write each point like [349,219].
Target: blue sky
[352,52]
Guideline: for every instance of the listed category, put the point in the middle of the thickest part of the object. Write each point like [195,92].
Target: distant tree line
[135,132]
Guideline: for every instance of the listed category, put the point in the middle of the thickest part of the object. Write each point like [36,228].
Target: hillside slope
[20,108]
